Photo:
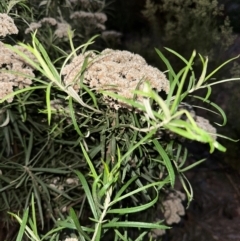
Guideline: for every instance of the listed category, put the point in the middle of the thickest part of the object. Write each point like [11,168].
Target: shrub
[93,145]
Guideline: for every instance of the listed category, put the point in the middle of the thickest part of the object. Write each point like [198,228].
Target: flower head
[62,30]
[173,207]
[121,72]
[14,71]
[7,25]
[90,21]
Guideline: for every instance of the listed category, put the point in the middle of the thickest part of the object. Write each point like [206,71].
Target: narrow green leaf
[51,68]
[219,67]
[72,114]
[183,79]
[192,165]
[216,107]
[23,224]
[34,221]
[49,170]
[89,42]
[39,203]
[167,162]
[203,74]
[189,191]
[90,164]
[178,55]
[16,92]
[92,95]
[209,91]
[171,73]
[51,233]
[129,152]
[88,194]
[125,186]
[70,225]
[119,235]
[128,224]
[29,149]
[48,102]
[173,86]
[141,236]
[157,184]
[134,209]
[162,104]
[77,224]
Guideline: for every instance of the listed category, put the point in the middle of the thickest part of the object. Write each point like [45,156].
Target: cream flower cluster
[14,71]
[90,20]
[61,30]
[121,72]
[7,25]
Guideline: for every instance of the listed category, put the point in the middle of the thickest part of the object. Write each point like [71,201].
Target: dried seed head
[173,207]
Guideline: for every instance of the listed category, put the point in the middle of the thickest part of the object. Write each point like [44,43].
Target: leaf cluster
[123,163]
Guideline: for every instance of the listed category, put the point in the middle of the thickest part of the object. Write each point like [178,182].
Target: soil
[215,212]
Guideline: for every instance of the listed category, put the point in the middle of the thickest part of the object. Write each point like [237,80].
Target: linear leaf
[167,162]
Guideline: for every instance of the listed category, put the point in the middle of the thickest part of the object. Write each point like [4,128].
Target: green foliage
[70,159]
[53,19]
[119,138]
[13,5]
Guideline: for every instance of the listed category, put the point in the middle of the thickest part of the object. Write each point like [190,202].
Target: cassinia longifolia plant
[91,149]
